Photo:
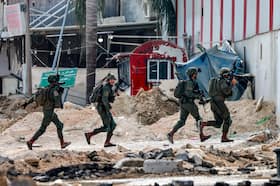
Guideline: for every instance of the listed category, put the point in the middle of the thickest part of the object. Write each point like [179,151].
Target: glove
[202,102]
[60,90]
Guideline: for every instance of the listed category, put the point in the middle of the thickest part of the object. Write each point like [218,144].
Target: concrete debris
[262,137]
[259,104]
[221,184]
[162,166]
[182,155]
[157,154]
[182,183]
[129,162]
[143,148]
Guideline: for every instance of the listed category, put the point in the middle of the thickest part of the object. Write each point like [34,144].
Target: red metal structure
[149,63]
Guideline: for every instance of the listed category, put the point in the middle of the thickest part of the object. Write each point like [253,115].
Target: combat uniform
[53,101]
[219,89]
[187,105]
[103,108]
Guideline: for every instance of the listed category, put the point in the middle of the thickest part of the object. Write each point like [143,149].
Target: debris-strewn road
[141,146]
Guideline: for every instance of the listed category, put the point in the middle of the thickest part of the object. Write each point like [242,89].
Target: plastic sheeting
[210,63]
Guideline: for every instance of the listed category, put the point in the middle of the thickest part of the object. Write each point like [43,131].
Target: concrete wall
[263,61]
[9,85]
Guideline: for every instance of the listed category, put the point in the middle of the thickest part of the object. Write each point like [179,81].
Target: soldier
[219,89]
[53,100]
[187,106]
[104,110]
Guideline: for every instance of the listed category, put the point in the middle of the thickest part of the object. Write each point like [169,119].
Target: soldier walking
[53,100]
[190,92]
[219,89]
[104,110]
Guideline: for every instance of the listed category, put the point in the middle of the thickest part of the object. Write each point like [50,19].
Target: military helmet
[192,70]
[53,78]
[111,76]
[224,71]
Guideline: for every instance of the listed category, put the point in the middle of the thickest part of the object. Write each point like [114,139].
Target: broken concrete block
[162,166]
[129,162]
[196,160]
[182,155]
[201,169]
[182,183]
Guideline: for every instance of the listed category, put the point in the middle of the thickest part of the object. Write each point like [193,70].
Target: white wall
[262,61]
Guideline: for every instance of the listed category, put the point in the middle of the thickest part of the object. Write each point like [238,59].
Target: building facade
[253,27]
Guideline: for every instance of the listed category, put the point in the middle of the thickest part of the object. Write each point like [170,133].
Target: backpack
[213,87]
[41,96]
[96,93]
[179,90]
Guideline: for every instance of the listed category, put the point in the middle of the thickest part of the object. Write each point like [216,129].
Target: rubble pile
[152,105]
[52,165]
[11,110]
[149,106]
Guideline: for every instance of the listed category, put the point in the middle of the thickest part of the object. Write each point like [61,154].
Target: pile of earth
[149,106]
[11,110]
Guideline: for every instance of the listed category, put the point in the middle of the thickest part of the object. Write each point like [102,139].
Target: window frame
[158,61]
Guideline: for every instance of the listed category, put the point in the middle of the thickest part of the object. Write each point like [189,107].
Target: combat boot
[29,144]
[203,137]
[88,136]
[225,138]
[64,144]
[170,136]
[108,139]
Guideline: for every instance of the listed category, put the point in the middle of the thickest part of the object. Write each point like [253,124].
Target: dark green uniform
[219,89]
[103,108]
[187,105]
[53,101]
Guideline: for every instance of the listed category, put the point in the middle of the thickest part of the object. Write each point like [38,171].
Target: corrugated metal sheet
[238,34]
[216,22]
[189,16]
[197,20]
[206,27]
[264,16]
[227,20]
[251,18]
[245,19]
[276,15]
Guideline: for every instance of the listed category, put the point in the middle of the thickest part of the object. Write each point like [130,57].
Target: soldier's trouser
[186,109]
[49,116]
[221,115]
[109,124]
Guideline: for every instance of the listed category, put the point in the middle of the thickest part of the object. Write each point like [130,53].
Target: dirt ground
[254,131]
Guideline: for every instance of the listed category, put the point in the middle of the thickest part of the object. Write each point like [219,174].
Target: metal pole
[277,152]
[28,58]
[59,42]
